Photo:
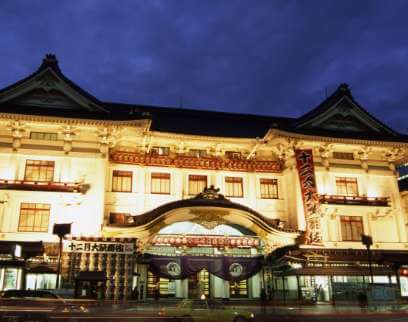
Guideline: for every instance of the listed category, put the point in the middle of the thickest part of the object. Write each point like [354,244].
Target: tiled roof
[197,122]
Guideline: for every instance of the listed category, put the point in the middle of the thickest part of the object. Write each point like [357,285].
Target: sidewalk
[323,309]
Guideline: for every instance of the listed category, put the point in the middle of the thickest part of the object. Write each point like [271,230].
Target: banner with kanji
[305,167]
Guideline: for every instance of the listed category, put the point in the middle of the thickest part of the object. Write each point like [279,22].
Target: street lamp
[367,240]
[60,230]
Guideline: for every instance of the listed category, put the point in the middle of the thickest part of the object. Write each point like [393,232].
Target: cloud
[265,57]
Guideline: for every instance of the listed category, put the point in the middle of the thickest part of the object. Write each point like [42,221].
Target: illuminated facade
[183,203]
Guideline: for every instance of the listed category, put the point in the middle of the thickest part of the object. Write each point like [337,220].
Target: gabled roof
[48,92]
[340,112]
[49,85]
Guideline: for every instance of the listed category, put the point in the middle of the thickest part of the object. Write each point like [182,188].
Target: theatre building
[175,202]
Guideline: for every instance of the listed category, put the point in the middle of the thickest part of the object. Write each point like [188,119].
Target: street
[320,313]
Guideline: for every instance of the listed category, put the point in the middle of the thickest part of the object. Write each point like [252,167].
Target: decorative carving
[393,155]
[17,129]
[208,163]
[363,154]
[324,151]
[107,139]
[68,132]
[210,193]
[209,219]
[381,215]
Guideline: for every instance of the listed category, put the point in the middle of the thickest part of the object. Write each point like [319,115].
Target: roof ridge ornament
[210,193]
[50,60]
[344,87]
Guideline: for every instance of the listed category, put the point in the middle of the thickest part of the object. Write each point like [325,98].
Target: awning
[227,268]
[28,248]
[42,269]
[91,276]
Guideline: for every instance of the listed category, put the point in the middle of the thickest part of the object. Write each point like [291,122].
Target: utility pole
[368,241]
[60,230]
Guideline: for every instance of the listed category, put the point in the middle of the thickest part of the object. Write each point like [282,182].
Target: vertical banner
[305,166]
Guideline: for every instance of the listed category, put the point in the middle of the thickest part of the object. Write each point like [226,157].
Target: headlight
[252,315]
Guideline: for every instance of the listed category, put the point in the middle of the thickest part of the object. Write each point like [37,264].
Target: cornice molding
[67,120]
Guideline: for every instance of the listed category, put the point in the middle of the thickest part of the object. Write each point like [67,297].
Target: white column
[182,288]
[254,286]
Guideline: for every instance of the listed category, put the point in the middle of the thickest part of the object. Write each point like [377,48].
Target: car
[35,305]
[210,310]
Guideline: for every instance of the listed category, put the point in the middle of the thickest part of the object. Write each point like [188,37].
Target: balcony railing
[354,200]
[41,186]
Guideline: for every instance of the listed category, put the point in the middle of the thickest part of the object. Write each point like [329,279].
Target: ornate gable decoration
[49,88]
[341,113]
[210,193]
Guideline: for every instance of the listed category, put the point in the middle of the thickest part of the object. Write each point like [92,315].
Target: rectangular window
[346,186]
[343,155]
[160,150]
[351,228]
[233,154]
[234,187]
[44,136]
[39,170]
[122,181]
[34,217]
[160,183]
[196,184]
[269,189]
[197,153]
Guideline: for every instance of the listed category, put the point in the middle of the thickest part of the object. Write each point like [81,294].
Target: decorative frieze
[208,163]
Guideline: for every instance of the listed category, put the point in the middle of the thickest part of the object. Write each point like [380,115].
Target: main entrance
[199,284]
[188,260]
[203,246]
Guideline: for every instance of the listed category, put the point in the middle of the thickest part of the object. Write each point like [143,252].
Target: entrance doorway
[239,289]
[161,287]
[199,284]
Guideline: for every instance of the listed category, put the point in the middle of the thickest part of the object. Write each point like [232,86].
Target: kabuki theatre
[136,202]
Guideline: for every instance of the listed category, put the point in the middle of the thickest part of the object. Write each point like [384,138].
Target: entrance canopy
[209,209]
[227,268]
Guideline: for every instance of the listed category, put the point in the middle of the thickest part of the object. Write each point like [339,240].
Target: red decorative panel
[212,241]
[209,163]
[305,166]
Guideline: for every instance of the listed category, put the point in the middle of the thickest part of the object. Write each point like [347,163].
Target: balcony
[354,200]
[42,186]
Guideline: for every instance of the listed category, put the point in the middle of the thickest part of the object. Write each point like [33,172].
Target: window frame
[274,183]
[348,221]
[40,166]
[233,155]
[33,210]
[339,155]
[160,176]
[160,151]
[197,153]
[196,176]
[347,181]
[234,180]
[121,176]
[46,136]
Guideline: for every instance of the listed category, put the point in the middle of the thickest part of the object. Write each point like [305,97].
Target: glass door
[199,284]
[239,289]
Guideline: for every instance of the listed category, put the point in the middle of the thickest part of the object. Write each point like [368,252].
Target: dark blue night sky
[264,57]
